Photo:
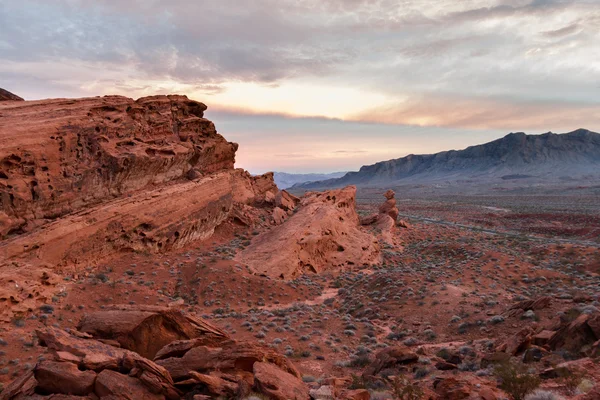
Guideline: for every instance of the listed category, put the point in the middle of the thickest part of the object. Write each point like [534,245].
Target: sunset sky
[322,85]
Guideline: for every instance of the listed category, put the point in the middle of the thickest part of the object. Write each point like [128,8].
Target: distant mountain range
[515,156]
[285,180]
[6,95]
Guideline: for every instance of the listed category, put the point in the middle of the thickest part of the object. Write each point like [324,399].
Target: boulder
[452,389]
[147,332]
[542,338]
[357,394]
[575,336]
[518,343]
[529,305]
[235,358]
[389,358]
[213,384]
[278,384]
[279,216]
[113,384]
[325,392]
[91,355]
[64,377]
[286,201]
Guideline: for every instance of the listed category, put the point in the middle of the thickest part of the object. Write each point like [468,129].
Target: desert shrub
[357,382]
[543,395]
[404,389]
[421,373]
[516,380]
[360,361]
[571,378]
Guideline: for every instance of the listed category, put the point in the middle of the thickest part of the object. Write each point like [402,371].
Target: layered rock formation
[323,233]
[60,156]
[154,220]
[204,362]
[115,172]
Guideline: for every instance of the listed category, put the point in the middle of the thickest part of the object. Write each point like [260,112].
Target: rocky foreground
[137,263]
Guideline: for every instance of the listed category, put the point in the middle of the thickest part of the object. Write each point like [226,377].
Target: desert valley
[137,262]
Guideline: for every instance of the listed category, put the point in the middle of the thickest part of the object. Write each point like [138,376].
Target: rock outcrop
[84,179]
[60,156]
[147,331]
[78,365]
[323,233]
[155,220]
[580,336]
[208,364]
[5,95]
[385,220]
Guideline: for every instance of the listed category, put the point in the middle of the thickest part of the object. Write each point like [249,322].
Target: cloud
[487,113]
[566,31]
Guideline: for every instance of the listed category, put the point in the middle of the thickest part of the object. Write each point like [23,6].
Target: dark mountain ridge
[6,95]
[515,156]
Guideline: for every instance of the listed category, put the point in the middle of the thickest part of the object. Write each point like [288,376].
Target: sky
[322,85]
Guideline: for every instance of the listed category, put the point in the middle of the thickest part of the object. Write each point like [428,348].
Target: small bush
[360,361]
[357,382]
[404,389]
[515,380]
[571,378]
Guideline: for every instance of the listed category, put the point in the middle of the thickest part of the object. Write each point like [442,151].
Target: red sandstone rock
[279,216]
[112,383]
[389,358]
[542,338]
[64,377]
[576,335]
[62,155]
[536,304]
[286,201]
[322,234]
[452,389]
[278,384]
[228,357]
[358,394]
[389,207]
[73,362]
[147,332]
[519,342]
[385,221]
